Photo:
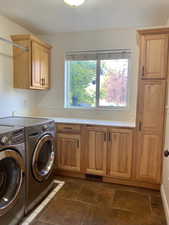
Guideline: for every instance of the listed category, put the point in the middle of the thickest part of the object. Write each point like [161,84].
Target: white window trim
[97,107]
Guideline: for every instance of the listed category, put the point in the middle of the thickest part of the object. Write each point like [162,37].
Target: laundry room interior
[84,114]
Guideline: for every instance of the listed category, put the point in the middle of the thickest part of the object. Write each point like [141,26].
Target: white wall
[11,99]
[51,103]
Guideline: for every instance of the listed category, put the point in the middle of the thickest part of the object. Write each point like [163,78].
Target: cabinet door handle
[77,143]
[41,81]
[143,71]
[105,136]
[140,126]
[67,128]
[109,136]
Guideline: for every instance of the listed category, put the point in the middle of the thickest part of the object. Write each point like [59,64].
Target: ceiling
[51,16]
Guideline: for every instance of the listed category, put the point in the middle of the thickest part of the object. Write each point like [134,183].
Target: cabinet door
[149,157]
[120,153]
[45,57]
[152,105]
[36,65]
[96,151]
[68,148]
[154,54]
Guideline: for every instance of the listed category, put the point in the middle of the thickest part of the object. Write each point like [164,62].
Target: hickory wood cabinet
[106,151]
[153,55]
[109,151]
[120,151]
[151,105]
[68,147]
[32,67]
[96,150]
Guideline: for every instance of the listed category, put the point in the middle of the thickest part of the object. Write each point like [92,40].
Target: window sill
[98,108]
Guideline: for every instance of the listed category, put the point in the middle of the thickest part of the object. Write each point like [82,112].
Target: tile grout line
[40,207]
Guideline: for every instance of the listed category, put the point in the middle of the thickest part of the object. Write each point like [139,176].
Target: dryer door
[11,178]
[44,158]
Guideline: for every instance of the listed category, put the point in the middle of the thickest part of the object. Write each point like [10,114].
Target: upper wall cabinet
[154,56]
[32,67]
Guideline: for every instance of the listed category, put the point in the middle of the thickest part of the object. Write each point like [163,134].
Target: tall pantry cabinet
[152,86]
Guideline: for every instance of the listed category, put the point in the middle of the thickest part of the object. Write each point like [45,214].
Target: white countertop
[94,122]
[89,121]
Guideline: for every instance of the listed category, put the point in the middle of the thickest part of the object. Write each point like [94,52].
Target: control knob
[45,127]
[4,140]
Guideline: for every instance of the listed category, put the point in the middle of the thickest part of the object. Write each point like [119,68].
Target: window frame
[97,107]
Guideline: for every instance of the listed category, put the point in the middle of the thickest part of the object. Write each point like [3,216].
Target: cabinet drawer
[68,128]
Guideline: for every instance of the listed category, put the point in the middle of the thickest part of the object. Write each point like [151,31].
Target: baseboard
[165,203]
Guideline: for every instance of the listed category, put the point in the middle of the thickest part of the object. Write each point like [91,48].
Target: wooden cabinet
[154,56]
[32,67]
[151,105]
[149,157]
[96,151]
[36,65]
[109,152]
[68,128]
[68,148]
[40,66]
[120,153]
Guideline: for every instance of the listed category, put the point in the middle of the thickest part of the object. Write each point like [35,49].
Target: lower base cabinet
[120,153]
[68,149]
[109,152]
[148,157]
[96,151]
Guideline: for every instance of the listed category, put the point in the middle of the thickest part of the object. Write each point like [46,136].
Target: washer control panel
[12,138]
[4,140]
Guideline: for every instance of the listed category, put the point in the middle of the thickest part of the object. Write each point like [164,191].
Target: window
[97,79]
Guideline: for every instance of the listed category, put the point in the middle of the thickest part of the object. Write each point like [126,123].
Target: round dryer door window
[43,158]
[11,177]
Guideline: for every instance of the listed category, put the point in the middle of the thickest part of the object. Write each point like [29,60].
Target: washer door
[43,158]
[11,178]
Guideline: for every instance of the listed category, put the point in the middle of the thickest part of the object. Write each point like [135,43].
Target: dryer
[40,137]
[12,171]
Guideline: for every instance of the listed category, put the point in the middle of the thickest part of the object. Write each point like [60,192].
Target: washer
[12,179]
[40,137]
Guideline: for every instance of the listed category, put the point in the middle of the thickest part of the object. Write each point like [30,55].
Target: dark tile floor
[82,202]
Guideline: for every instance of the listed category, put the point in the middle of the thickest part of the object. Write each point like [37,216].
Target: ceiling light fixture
[74,3]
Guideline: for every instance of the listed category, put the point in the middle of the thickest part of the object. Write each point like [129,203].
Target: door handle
[140,126]
[143,71]
[77,143]
[105,136]
[109,136]
[166,153]
[43,83]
